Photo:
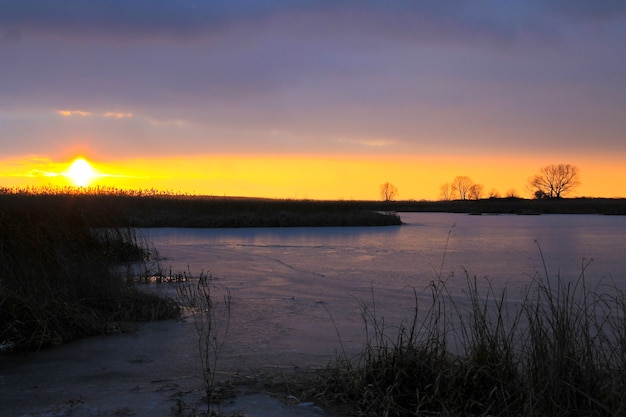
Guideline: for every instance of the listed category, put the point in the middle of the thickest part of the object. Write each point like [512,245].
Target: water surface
[506,249]
[294,289]
[297,298]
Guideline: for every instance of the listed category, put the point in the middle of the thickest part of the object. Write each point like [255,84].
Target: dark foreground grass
[561,352]
[60,278]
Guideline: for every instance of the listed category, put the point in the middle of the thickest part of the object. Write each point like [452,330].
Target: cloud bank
[321,77]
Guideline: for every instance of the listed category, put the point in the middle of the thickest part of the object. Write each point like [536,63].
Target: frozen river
[505,249]
[293,289]
[297,296]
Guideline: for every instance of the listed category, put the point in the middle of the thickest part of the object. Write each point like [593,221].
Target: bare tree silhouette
[461,186]
[446,192]
[475,191]
[388,191]
[553,181]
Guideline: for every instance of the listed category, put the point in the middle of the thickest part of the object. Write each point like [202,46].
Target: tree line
[550,182]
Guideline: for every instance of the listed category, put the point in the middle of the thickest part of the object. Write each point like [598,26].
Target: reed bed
[60,278]
[561,351]
[151,209]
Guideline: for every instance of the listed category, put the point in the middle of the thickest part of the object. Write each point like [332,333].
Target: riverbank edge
[110,210]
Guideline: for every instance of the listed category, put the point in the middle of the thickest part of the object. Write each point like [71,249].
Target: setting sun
[81,173]
[457,97]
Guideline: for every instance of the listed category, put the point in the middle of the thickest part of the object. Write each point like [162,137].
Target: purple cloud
[314,76]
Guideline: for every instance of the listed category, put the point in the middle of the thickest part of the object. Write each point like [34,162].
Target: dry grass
[561,352]
[153,209]
[60,278]
[211,321]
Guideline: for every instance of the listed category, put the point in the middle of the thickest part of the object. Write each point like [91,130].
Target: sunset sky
[313,99]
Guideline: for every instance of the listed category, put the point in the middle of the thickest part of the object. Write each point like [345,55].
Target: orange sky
[293,176]
[320,100]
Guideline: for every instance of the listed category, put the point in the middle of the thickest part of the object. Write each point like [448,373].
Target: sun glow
[81,173]
[304,176]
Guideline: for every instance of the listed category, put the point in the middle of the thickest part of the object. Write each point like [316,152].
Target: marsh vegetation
[62,252]
[211,320]
[561,351]
[154,209]
[60,277]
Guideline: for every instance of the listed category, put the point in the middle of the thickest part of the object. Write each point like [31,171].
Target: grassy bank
[60,278]
[560,352]
[60,252]
[156,210]
[609,206]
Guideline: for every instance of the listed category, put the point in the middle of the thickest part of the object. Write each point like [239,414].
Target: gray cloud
[135,18]
[313,75]
[498,20]
[586,10]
